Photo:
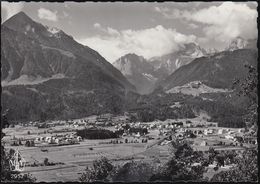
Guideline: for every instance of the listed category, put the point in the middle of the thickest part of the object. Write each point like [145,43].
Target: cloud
[223,22]
[172,14]
[66,5]
[47,14]
[11,8]
[107,30]
[64,14]
[150,42]
[97,25]
[112,31]
[227,21]
[193,26]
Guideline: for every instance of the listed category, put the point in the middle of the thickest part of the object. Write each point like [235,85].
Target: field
[77,157]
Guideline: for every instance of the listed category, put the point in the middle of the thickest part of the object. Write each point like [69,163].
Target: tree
[230,157]
[184,166]
[99,172]
[132,172]
[32,143]
[46,161]
[220,160]
[212,155]
[27,143]
[248,87]
[245,171]
[20,142]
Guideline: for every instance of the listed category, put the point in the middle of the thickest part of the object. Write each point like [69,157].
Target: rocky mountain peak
[211,51]
[131,63]
[193,49]
[237,43]
[18,21]
[170,62]
[22,23]
[21,17]
[138,71]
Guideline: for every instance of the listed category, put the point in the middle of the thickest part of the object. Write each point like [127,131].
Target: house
[79,138]
[181,130]
[231,132]
[210,131]
[205,132]
[42,138]
[203,143]
[188,125]
[137,135]
[220,131]
[196,164]
[240,130]
[52,140]
[37,139]
[57,141]
[195,84]
[230,137]
[179,136]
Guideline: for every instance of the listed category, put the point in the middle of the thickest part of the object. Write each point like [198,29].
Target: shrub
[99,172]
[133,172]
[46,161]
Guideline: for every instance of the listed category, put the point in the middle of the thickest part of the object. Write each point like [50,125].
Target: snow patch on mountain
[52,30]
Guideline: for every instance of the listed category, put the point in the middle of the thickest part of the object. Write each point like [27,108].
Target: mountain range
[46,74]
[146,75]
[170,62]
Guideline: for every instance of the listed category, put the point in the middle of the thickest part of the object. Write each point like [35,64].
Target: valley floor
[76,157]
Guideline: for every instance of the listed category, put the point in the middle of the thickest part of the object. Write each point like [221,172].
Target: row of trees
[93,133]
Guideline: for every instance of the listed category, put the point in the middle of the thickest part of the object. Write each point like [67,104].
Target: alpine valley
[46,74]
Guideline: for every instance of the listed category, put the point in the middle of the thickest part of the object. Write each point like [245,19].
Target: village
[59,142]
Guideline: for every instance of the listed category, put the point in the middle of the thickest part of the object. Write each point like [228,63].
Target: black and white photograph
[129,91]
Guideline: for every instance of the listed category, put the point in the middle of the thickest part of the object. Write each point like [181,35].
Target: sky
[144,28]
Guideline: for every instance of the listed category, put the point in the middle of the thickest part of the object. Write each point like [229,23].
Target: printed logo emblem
[17,162]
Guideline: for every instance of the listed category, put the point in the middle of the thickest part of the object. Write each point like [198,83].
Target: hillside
[217,71]
[46,73]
